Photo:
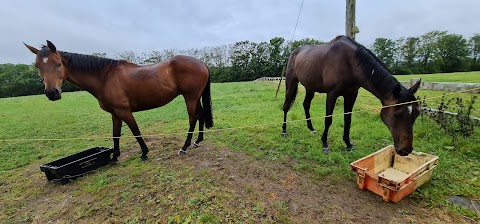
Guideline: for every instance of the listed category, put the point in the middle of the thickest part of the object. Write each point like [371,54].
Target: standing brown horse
[340,68]
[122,87]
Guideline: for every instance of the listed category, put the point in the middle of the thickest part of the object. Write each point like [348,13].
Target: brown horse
[122,87]
[340,68]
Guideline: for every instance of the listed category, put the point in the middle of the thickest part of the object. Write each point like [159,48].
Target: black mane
[82,62]
[376,71]
[88,63]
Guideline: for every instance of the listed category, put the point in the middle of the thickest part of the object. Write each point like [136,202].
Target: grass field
[463,77]
[238,110]
[435,96]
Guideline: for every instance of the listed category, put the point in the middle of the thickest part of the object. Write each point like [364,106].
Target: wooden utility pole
[350,28]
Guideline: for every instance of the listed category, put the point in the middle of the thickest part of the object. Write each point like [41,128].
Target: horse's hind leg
[191,108]
[331,100]
[348,106]
[201,124]
[306,106]
[127,117]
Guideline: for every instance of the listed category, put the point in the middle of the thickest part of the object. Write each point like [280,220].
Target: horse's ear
[51,46]
[396,90]
[32,49]
[414,88]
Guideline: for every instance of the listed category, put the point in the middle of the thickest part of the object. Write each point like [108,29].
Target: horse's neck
[378,92]
[89,82]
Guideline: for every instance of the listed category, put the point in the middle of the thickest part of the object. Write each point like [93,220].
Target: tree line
[433,52]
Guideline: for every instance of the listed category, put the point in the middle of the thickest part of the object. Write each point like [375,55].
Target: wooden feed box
[393,176]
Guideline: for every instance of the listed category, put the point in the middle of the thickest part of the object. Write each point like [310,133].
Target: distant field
[463,77]
[434,97]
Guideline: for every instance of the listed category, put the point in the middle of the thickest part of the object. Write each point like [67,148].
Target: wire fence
[227,129]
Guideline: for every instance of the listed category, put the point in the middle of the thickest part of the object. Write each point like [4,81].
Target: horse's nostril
[53,94]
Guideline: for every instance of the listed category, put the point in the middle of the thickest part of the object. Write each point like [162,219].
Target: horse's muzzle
[53,94]
[402,152]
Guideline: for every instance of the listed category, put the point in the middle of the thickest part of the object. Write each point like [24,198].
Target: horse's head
[400,119]
[52,72]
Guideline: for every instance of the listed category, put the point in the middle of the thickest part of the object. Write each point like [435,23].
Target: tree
[101,55]
[428,52]
[220,57]
[385,50]
[474,44]
[154,57]
[129,56]
[407,56]
[19,80]
[292,45]
[241,55]
[260,63]
[277,61]
[453,50]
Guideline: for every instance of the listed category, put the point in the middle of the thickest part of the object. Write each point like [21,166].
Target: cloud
[143,26]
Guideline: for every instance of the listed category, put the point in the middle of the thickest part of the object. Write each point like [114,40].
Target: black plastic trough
[77,165]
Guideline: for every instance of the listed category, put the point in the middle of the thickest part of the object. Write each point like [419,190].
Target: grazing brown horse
[122,87]
[340,68]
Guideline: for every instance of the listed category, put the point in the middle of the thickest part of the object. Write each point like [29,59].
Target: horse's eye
[59,64]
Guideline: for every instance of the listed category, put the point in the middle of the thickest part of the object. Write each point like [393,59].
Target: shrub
[454,117]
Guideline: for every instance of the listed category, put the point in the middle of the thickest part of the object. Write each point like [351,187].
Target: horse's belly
[152,100]
[315,85]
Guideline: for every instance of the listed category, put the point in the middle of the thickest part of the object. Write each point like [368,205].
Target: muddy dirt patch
[208,185]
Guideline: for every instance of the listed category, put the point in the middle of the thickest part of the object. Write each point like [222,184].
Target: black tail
[291,83]
[290,96]
[207,104]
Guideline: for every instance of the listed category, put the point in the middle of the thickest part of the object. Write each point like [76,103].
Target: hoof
[284,134]
[350,149]
[182,152]
[196,144]
[326,150]
[313,132]
[114,160]
[143,158]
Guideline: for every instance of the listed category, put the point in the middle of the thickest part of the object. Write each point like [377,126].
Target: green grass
[433,99]
[462,77]
[238,110]
[435,96]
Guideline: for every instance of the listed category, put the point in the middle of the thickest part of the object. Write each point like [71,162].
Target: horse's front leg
[127,117]
[348,107]
[117,130]
[331,100]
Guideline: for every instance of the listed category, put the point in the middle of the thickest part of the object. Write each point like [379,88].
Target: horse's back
[176,69]
[182,63]
[322,68]
[154,85]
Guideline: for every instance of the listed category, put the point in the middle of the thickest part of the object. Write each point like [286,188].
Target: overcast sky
[115,26]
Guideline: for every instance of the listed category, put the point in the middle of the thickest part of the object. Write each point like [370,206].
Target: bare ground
[210,184]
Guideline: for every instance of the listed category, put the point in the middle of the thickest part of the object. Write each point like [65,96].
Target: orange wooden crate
[393,176]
